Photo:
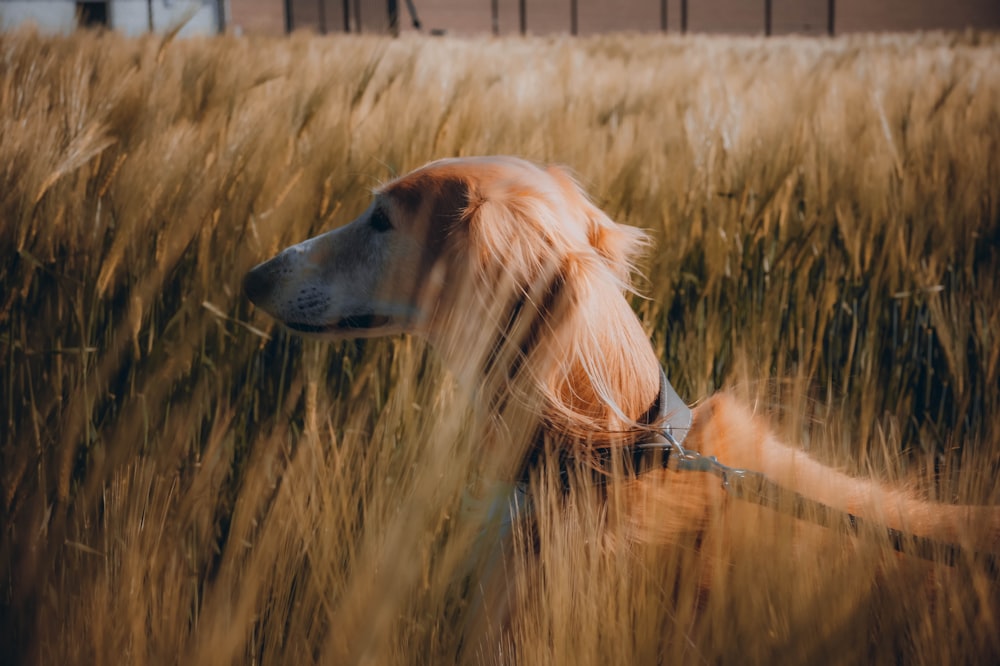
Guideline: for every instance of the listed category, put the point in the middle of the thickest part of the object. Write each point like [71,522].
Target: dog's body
[518,281]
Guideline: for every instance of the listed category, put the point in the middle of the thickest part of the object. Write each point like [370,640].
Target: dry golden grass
[183,482]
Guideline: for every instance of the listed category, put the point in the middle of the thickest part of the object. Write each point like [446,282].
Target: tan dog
[519,281]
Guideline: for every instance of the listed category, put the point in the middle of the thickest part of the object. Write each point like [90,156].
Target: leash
[675,419]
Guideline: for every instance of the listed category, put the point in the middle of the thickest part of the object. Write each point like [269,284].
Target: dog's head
[437,243]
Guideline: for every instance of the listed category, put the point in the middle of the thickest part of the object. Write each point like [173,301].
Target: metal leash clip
[680,459]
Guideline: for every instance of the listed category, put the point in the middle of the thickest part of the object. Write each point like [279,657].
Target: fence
[816,17]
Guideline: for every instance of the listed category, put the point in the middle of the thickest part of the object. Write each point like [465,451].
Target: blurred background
[505,17]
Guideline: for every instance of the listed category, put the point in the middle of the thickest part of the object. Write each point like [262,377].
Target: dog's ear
[619,245]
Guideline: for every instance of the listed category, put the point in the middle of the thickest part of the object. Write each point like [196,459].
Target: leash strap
[755,487]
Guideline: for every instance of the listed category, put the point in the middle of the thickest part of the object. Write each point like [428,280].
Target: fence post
[572,17]
[522,18]
[830,15]
[289,24]
[393,10]
[495,17]
[684,16]
[767,18]
[663,15]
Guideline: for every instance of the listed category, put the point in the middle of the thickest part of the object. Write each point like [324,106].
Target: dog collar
[656,443]
[669,412]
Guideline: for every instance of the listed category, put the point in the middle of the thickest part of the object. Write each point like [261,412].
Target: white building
[131,17]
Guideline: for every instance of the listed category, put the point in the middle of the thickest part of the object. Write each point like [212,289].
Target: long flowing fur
[594,370]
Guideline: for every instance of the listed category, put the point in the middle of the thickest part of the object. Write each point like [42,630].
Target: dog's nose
[258,283]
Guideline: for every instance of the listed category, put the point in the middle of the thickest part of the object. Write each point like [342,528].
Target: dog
[519,281]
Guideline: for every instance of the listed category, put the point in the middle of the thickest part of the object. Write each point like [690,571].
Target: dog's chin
[367,325]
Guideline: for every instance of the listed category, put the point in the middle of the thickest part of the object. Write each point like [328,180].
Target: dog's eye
[380,221]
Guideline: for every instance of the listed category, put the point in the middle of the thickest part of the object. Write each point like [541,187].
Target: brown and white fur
[451,249]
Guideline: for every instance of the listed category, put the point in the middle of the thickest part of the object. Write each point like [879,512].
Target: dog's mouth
[355,322]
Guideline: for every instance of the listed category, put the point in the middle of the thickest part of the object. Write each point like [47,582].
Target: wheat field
[184,482]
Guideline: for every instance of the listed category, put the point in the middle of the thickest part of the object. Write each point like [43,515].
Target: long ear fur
[620,246]
[595,379]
